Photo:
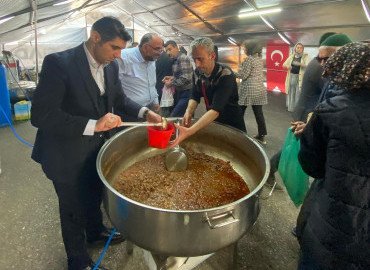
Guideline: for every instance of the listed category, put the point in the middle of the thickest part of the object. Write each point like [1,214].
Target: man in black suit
[76,106]
[163,67]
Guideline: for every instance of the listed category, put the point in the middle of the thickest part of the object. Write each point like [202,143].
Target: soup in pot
[208,182]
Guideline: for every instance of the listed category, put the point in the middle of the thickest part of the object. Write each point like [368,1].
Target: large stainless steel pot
[184,233]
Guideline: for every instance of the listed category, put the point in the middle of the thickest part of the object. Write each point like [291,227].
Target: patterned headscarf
[349,67]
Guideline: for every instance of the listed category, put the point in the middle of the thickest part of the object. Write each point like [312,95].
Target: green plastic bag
[290,170]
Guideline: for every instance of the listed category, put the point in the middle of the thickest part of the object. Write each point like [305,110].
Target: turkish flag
[276,74]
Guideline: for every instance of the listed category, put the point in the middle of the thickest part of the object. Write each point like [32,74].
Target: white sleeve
[90,128]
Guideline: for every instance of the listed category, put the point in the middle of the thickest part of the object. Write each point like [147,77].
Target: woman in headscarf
[251,89]
[333,226]
[295,65]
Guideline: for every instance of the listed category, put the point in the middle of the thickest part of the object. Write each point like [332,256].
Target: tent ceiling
[182,20]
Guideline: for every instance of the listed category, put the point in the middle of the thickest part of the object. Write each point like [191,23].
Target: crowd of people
[86,92]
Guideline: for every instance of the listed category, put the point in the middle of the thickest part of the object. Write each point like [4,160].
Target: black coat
[64,101]
[312,84]
[163,67]
[333,226]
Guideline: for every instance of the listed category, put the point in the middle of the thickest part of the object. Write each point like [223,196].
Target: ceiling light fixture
[26,37]
[6,19]
[232,41]
[267,22]
[283,38]
[366,8]
[259,12]
[11,43]
[62,3]
[247,10]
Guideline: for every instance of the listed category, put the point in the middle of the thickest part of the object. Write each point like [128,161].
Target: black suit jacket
[163,67]
[64,101]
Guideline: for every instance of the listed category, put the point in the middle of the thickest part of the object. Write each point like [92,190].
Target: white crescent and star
[277,63]
[277,52]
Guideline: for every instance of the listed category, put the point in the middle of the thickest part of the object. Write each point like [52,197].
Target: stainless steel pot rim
[256,190]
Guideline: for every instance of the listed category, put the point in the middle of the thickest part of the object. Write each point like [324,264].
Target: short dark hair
[110,28]
[170,42]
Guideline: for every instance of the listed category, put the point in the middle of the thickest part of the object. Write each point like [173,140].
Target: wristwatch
[145,114]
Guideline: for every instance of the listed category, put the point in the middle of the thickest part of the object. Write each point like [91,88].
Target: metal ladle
[163,124]
[176,159]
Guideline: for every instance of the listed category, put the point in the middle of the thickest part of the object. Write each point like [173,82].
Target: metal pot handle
[226,215]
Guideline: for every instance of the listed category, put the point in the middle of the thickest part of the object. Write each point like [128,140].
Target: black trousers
[274,162]
[260,119]
[80,215]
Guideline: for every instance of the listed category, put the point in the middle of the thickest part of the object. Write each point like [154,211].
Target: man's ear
[95,36]
[213,55]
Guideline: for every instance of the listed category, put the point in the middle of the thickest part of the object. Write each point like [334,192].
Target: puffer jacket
[333,226]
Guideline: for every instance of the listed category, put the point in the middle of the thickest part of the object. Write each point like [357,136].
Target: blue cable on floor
[14,131]
[102,254]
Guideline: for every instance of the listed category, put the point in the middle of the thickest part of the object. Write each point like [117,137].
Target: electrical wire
[105,249]
[14,131]
[102,254]
[3,112]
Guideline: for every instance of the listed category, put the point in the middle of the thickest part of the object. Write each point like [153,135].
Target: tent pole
[240,55]
[87,32]
[34,23]
[133,29]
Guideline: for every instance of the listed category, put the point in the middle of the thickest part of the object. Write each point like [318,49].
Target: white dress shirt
[97,71]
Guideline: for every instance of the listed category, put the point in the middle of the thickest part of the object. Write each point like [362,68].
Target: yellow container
[22,110]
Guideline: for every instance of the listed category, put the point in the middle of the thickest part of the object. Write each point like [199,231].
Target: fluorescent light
[267,22]
[62,3]
[259,12]
[366,9]
[25,37]
[12,43]
[232,41]
[6,19]
[283,38]
[247,10]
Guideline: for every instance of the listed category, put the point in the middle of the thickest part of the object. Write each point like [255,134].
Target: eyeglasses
[156,49]
[321,59]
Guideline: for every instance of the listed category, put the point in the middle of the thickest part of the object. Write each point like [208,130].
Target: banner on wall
[276,74]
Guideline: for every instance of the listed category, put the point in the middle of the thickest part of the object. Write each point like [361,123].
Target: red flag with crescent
[276,74]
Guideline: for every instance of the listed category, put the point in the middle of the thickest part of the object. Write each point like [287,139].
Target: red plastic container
[158,137]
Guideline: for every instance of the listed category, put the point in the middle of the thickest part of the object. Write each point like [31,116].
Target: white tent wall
[180,20]
[57,41]
[64,36]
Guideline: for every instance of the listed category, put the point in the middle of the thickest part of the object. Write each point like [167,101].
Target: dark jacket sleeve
[47,111]
[312,154]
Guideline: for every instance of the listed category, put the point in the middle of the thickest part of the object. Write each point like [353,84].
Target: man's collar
[215,70]
[213,73]
[91,59]
[139,55]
